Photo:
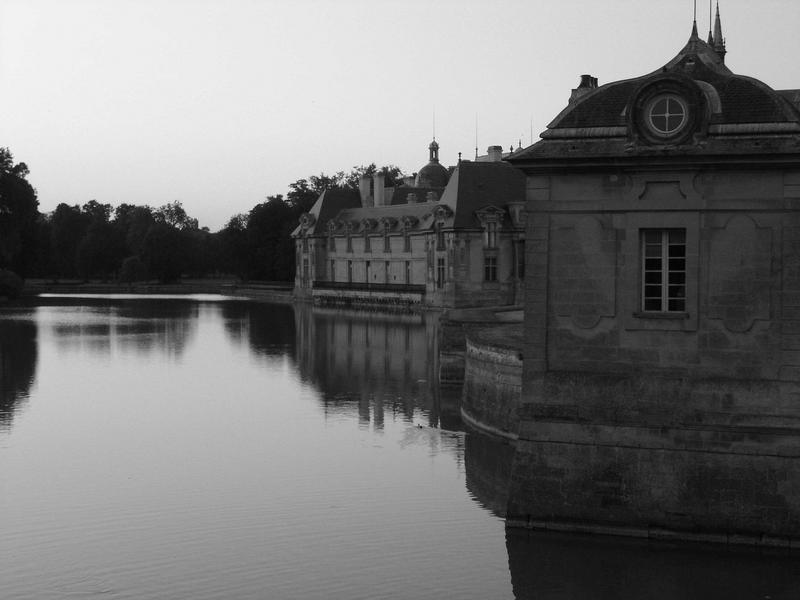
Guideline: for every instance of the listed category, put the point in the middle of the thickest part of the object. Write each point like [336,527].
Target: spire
[710,25]
[719,41]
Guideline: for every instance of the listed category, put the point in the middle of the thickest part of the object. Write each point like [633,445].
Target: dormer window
[491,234]
[666,114]
[440,241]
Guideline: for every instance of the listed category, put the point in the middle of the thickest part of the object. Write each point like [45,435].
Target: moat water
[204,447]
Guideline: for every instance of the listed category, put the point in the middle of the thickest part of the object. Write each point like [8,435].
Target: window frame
[490,269]
[663,264]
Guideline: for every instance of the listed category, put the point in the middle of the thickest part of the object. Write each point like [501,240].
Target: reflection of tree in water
[550,565]
[18,356]
[488,467]
[269,329]
[371,363]
[142,325]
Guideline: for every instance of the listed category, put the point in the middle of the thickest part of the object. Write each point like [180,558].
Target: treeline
[132,243]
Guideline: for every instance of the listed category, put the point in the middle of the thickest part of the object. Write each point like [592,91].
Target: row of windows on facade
[489,240]
[489,269]
[663,276]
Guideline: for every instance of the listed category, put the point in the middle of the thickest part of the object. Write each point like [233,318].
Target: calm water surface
[191,448]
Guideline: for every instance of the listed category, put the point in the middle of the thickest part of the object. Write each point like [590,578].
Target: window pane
[652,264]
[677,251]
[677,236]
[653,277]
[677,291]
[677,278]
[652,251]
[677,306]
[652,291]
[652,237]
[677,264]
[652,304]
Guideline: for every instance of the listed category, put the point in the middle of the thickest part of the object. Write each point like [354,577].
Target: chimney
[378,179]
[588,83]
[364,191]
[495,153]
[411,198]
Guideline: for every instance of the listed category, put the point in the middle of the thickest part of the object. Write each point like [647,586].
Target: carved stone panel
[583,271]
[739,279]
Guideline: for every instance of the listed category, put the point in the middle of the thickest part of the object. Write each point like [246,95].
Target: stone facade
[661,388]
[446,239]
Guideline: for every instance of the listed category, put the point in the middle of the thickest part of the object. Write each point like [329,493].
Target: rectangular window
[367,247]
[349,271]
[406,243]
[366,272]
[349,243]
[520,259]
[386,264]
[305,245]
[387,245]
[305,269]
[408,271]
[439,238]
[333,270]
[663,270]
[332,244]
[490,268]
[491,234]
[440,273]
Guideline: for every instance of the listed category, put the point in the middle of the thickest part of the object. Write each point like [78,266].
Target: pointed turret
[719,41]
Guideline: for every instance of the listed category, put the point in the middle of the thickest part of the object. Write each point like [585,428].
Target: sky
[221,103]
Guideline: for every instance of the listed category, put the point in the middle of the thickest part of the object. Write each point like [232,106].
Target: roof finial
[434,123]
[719,41]
[694,21]
[476,136]
[710,25]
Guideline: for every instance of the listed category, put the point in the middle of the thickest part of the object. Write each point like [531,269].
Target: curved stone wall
[493,380]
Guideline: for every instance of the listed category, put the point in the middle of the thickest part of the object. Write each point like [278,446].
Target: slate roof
[476,185]
[329,203]
[598,123]
[422,214]
[473,186]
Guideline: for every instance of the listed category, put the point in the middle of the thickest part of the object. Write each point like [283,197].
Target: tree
[174,215]
[163,252]
[271,248]
[18,215]
[391,173]
[68,225]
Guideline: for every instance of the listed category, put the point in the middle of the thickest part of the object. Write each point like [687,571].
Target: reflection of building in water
[269,329]
[18,357]
[375,362]
[553,566]
[488,466]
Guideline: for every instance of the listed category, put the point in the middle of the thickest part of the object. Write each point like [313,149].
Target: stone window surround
[630,262]
[663,256]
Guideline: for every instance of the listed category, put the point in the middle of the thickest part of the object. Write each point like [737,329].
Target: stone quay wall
[493,379]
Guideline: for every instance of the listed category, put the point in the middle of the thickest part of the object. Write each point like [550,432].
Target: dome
[433,174]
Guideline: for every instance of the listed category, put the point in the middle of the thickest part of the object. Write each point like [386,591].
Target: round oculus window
[667,114]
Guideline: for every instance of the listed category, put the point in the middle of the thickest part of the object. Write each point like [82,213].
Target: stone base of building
[658,534]
[713,460]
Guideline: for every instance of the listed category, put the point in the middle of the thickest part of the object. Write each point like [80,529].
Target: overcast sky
[220,103]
